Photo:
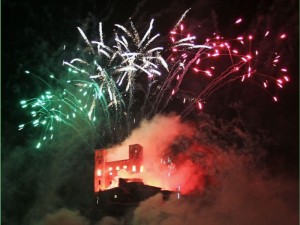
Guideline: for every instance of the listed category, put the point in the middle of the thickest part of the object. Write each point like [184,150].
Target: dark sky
[33,32]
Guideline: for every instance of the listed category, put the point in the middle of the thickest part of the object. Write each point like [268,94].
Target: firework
[107,80]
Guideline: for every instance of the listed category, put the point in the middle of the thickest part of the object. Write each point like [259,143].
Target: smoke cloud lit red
[219,186]
[156,137]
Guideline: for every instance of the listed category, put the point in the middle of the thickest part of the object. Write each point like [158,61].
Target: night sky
[37,182]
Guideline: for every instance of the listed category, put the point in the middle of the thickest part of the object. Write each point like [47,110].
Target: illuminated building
[109,164]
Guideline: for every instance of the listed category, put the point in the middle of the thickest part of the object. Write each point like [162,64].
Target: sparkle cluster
[105,81]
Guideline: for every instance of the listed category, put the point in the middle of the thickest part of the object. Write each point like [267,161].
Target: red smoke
[161,167]
[224,186]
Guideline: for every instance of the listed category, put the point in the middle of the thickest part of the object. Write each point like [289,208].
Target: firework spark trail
[53,110]
[211,88]
[239,68]
[139,60]
[107,78]
[181,18]
[179,77]
[178,69]
[127,58]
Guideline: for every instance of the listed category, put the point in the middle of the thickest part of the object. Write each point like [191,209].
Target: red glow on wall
[107,172]
[150,166]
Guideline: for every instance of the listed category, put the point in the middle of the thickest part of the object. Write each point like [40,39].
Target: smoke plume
[221,182]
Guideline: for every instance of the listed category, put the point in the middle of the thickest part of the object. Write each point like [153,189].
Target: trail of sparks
[106,79]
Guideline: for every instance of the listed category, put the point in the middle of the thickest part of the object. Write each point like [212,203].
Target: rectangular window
[133,168]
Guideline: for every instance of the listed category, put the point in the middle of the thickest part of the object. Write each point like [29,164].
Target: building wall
[106,174]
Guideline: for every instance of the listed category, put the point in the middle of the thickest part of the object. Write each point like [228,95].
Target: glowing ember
[238,20]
